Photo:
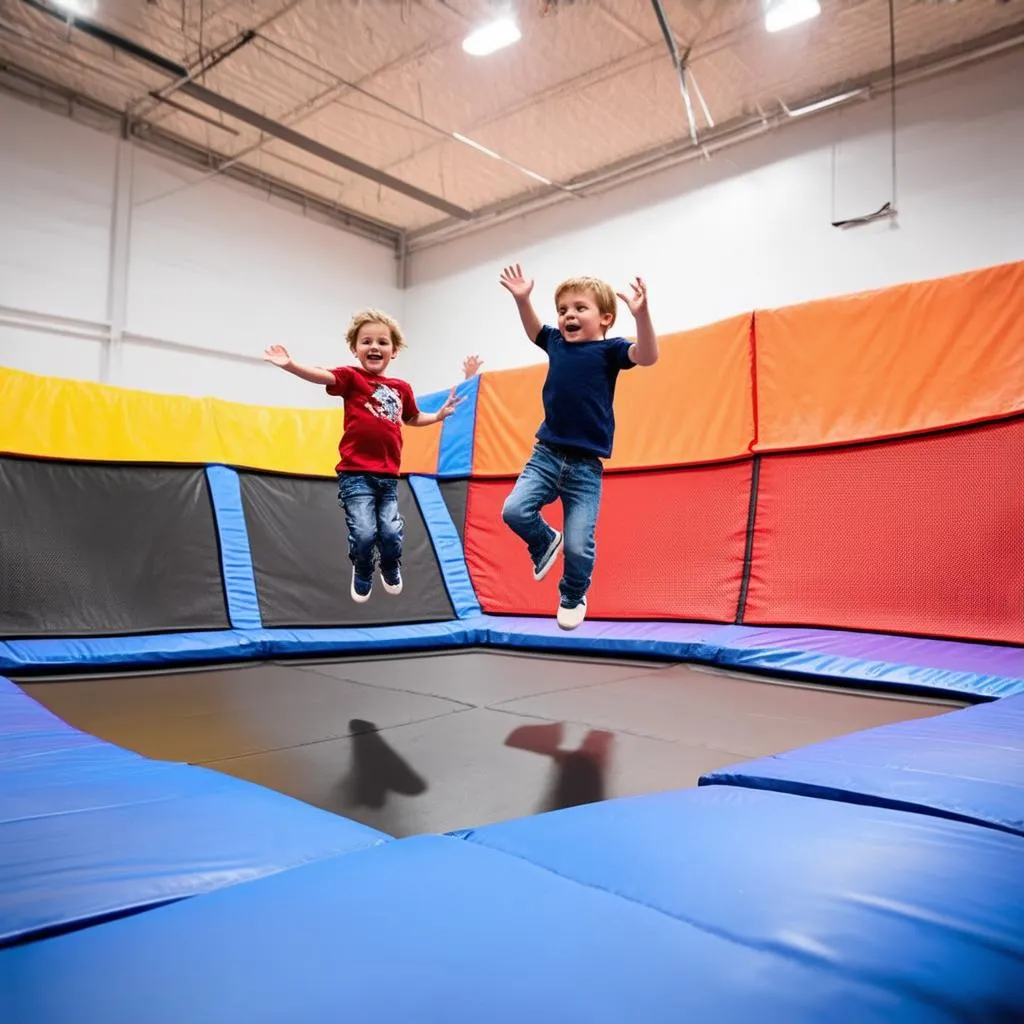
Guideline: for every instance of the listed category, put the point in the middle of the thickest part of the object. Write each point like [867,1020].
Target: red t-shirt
[375,408]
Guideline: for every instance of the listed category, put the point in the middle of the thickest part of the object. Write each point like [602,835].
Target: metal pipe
[250,117]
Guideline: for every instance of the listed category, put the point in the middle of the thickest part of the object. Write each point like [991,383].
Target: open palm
[637,302]
[512,278]
[277,354]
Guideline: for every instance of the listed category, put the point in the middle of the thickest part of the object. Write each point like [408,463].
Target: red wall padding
[917,536]
[669,546]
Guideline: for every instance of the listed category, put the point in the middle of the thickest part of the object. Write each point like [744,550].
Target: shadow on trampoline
[579,774]
[377,769]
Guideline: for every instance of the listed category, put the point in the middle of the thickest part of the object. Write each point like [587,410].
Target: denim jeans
[371,511]
[551,474]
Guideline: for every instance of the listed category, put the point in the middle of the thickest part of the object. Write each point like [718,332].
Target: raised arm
[520,288]
[425,419]
[643,351]
[278,355]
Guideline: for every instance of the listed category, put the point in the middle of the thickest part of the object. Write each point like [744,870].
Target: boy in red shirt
[370,449]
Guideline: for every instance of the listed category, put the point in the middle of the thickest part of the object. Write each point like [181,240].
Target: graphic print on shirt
[386,403]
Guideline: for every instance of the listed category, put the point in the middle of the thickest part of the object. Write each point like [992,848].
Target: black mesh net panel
[299,544]
[454,493]
[88,549]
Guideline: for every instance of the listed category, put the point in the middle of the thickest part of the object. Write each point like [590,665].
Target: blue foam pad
[925,909]
[88,830]
[967,765]
[447,546]
[432,928]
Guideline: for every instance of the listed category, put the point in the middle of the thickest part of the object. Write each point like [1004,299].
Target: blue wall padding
[455,458]
[88,830]
[967,765]
[447,546]
[235,556]
[925,910]
[434,928]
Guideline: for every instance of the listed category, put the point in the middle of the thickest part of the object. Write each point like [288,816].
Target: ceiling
[364,107]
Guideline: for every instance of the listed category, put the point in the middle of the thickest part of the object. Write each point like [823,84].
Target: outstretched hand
[471,366]
[449,405]
[637,302]
[277,354]
[512,278]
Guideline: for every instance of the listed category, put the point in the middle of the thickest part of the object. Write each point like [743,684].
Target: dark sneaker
[543,567]
[570,618]
[361,587]
[392,579]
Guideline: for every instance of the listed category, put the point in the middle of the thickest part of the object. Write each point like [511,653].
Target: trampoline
[437,742]
[778,774]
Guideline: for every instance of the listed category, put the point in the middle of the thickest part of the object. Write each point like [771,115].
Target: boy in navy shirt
[370,449]
[578,427]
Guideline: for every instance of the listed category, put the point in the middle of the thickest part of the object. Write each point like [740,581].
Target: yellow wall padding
[55,418]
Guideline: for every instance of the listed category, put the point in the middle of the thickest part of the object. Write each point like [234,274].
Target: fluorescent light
[83,7]
[783,14]
[488,38]
[830,101]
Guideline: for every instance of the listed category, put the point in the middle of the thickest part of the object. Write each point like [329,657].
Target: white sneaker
[541,570]
[360,590]
[570,618]
[392,580]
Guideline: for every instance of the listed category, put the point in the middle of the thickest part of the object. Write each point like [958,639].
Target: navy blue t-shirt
[579,391]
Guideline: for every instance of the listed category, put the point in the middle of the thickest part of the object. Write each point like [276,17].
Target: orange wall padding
[897,361]
[694,405]
[922,535]
[670,544]
[54,418]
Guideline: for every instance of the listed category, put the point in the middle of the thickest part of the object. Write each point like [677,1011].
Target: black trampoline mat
[430,743]
[299,542]
[90,549]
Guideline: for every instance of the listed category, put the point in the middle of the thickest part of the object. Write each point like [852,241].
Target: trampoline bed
[435,742]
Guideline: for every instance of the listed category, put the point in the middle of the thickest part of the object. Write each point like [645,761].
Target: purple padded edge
[954,655]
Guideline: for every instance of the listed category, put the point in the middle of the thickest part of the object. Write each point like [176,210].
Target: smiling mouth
[571,328]
[374,357]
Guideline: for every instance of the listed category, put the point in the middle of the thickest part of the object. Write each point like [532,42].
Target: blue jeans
[371,511]
[576,479]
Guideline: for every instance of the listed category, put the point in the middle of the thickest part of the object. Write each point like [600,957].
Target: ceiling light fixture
[783,14]
[493,36]
[829,101]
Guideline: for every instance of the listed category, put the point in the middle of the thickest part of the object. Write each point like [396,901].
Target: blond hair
[602,291]
[374,316]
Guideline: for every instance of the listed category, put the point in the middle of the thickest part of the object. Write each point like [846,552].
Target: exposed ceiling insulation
[373,109]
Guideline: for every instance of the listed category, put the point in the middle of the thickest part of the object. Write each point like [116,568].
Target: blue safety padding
[86,834]
[935,665]
[926,910]
[447,546]
[967,765]
[682,641]
[433,928]
[165,649]
[988,671]
[455,458]
[27,729]
[235,556]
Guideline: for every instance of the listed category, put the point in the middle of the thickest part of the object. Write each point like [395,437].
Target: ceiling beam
[246,115]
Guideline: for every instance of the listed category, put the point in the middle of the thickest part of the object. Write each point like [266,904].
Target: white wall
[752,226]
[210,266]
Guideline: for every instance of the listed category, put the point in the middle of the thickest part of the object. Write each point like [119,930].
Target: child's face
[579,319]
[374,348]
